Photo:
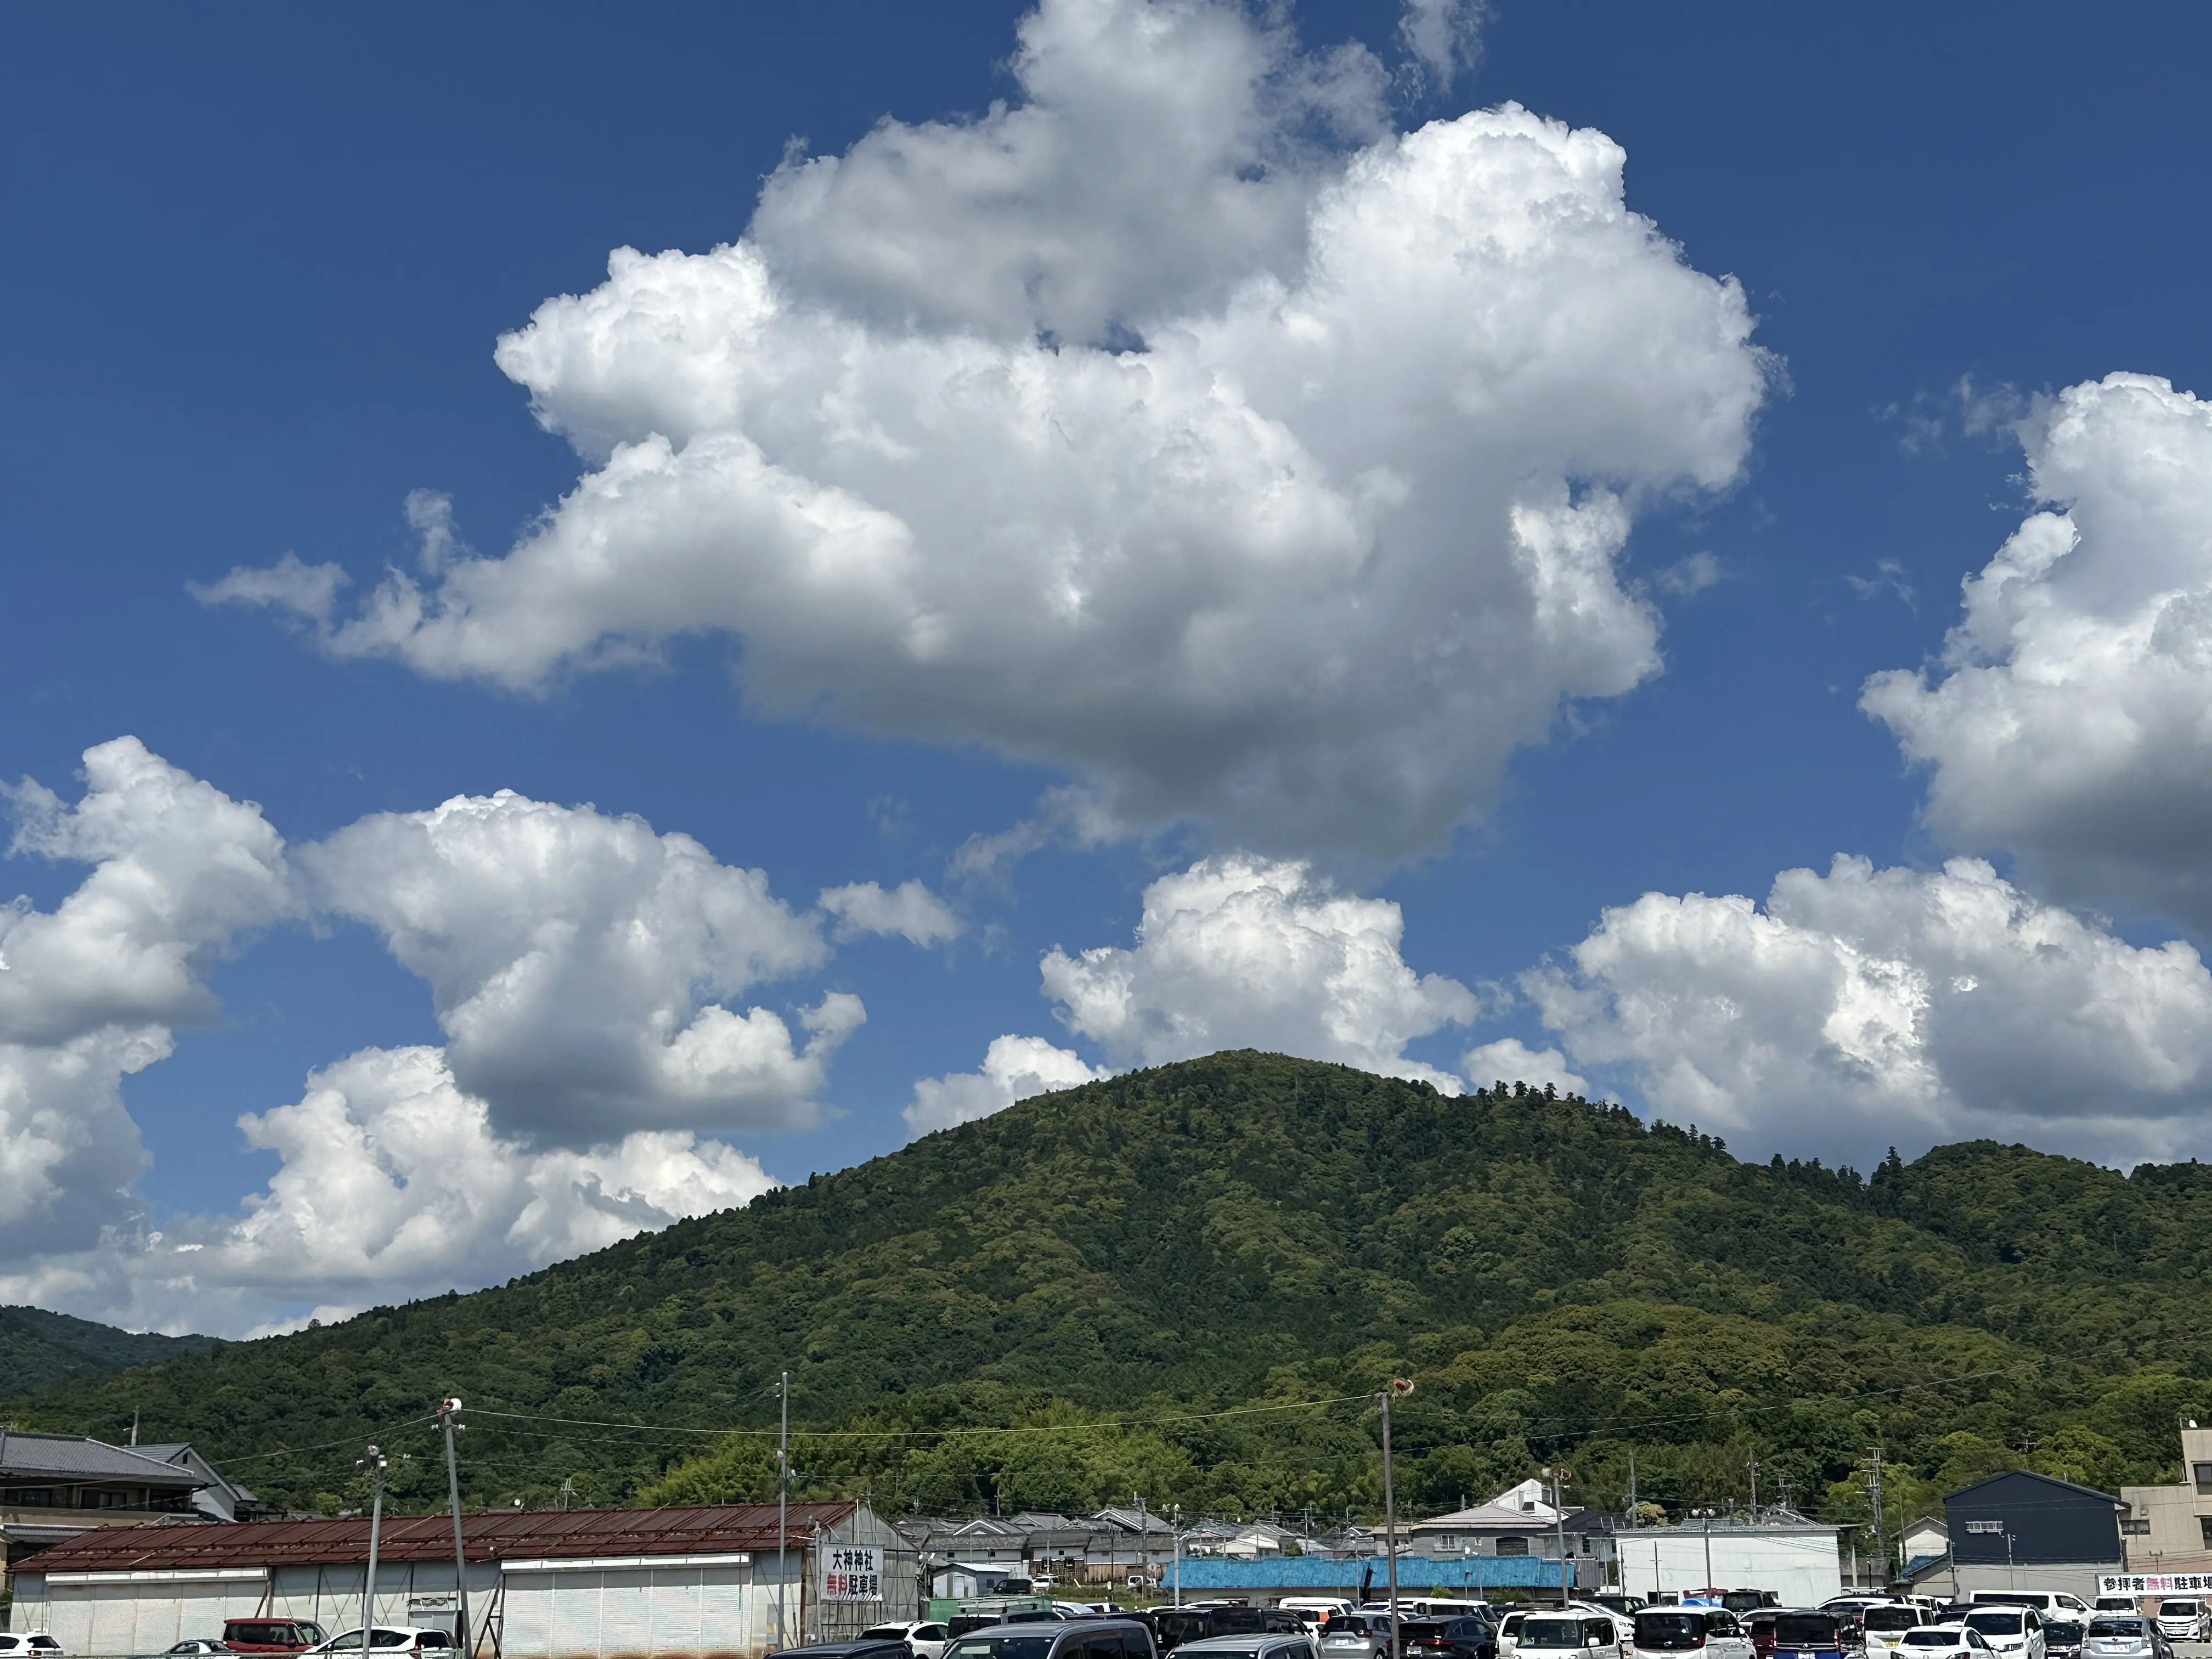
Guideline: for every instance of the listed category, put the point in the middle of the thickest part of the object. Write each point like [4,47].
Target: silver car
[1353,1636]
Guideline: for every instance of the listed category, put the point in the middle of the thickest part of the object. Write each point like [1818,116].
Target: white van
[2051,1604]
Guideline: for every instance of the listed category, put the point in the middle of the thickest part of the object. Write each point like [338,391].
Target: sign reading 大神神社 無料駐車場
[851,1572]
[2153,1584]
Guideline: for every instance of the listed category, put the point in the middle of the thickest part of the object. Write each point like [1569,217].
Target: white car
[2126,1604]
[1887,1627]
[1943,1642]
[1575,1634]
[2011,1632]
[2121,1636]
[386,1641]
[927,1640]
[2180,1618]
[29,1644]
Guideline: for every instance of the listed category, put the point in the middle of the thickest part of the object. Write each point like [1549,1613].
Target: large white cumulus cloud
[1867,1007]
[2070,720]
[1240,952]
[394,1184]
[579,962]
[1014,1068]
[91,991]
[1137,428]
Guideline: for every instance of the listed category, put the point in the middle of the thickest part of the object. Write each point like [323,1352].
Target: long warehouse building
[664,1583]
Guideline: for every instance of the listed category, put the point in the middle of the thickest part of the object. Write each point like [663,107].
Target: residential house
[2022,1530]
[53,1486]
[2168,1530]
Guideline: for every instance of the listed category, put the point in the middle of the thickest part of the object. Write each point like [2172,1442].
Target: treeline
[1107,1271]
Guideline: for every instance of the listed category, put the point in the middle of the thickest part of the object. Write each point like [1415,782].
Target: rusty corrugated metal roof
[501,1535]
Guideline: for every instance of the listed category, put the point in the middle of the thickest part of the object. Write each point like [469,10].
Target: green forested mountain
[1107,1269]
[37,1348]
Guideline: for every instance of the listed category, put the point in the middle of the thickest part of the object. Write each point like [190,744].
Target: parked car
[1619,1602]
[1569,1635]
[2124,1636]
[1509,1633]
[1943,1642]
[1356,1636]
[199,1644]
[1261,1646]
[2115,1604]
[1666,1632]
[2063,1637]
[1747,1600]
[2050,1603]
[926,1640]
[2011,1632]
[1447,1638]
[389,1641]
[1760,1627]
[1092,1638]
[2181,1619]
[1321,1608]
[271,1635]
[1823,1633]
[29,1644]
[860,1649]
[1885,1627]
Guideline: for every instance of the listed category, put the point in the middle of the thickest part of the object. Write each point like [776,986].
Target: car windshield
[1551,1633]
[2186,1609]
[1805,1630]
[1669,1631]
[885,1633]
[1997,1624]
[1932,1638]
[2115,1627]
[1892,1618]
[1003,1647]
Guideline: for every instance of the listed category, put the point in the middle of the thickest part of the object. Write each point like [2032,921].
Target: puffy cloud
[1014,1068]
[1867,1007]
[578,962]
[179,870]
[394,1181]
[392,1184]
[909,910]
[1510,1060]
[2067,722]
[90,990]
[1126,430]
[1239,952]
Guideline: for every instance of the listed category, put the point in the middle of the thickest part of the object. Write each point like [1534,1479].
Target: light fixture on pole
[449,1412]
[375,1464]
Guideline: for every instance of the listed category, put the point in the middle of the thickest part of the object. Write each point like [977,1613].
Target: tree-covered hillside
[1108,1269]
[37,1348]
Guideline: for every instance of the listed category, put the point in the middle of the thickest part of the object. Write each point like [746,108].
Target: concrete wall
[1798,1563]
[2075,1578]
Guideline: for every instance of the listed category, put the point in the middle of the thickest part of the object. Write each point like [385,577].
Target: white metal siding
[100,1619]
[662,1612]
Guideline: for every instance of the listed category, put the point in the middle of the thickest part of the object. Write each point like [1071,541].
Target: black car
[849,1650]
[1446,1638]
[1173,1626]
[2062,1637]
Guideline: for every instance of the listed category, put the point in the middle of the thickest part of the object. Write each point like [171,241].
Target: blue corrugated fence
[1416,1573]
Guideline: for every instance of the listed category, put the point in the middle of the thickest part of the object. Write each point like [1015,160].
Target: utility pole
[782,1498]
[1559,1520]
[1874,1503]
[1400,1386]
[447,1411]
[374,1463]
[1754,1489]
[1631,1496]
[1178,1553]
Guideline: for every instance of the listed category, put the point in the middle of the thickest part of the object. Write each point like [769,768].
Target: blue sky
[260,260]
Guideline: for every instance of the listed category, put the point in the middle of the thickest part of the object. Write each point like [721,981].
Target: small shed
[665,1583]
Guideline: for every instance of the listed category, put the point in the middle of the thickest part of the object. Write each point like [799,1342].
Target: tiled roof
[505,1534]
[73,1457]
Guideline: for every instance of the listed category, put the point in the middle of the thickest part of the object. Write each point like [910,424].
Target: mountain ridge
[1561,1279]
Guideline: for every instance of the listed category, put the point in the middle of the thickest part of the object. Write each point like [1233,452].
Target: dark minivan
[271,1635]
